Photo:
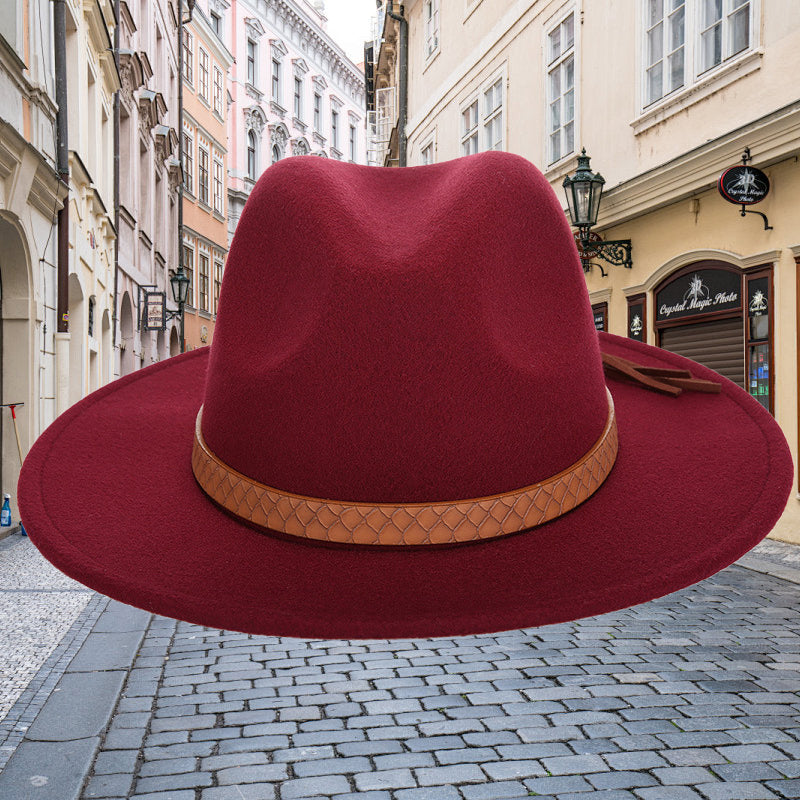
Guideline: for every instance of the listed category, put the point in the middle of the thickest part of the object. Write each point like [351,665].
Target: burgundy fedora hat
[406,425]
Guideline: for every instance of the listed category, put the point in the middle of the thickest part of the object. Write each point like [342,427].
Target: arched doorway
[16,357]
[106,354]
[126,356]
[174,342]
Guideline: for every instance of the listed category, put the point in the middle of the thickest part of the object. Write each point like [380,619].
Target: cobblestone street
[691,696]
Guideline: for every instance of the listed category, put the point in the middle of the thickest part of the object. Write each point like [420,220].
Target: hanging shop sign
[155,311]
[743,185]
[701,292]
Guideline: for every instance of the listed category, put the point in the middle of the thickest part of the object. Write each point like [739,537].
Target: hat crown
[403,335]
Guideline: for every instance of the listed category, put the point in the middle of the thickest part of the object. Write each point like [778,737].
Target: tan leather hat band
[405,524]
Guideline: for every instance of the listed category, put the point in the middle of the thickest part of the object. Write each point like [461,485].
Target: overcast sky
[349,24]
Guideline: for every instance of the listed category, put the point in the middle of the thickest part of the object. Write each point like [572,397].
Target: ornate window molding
[300,147]
[300,67]
[278,48]
[279,136]
[255,30]
[254,120]
[320,83]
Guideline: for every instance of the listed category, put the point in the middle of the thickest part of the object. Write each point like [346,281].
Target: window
[276,80]
[216,23]
[353,142]
[665,48]
[334,128]
[298,98]
[276,154]
[427,153]
[561,90]
[469,129]
[203,282]
[188,268]
[684,39]
[218,91]
[218,207]
[188,56]
[724,30]
[493,117]
[251,62]
[203,59]
[217,283]
[251,155]
[202,174]
[318,112]
[188,162]
[431,13]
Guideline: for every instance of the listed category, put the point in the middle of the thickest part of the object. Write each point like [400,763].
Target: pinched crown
[403,335]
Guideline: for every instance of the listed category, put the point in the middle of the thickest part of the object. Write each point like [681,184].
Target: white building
[293,90]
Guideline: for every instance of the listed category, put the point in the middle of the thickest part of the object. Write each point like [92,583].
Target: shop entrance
[716,344]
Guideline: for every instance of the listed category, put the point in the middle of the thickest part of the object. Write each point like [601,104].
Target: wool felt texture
[108,495]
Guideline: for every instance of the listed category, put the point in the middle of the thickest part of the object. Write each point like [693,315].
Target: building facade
[30,198]
[293,91]
[85,353]
[150,174]
[664,99]
[206,64]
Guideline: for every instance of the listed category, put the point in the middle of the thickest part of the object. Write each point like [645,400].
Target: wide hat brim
[108,496]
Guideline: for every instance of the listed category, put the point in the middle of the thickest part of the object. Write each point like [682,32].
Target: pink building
[293,91]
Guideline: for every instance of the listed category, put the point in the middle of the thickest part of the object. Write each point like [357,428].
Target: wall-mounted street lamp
[583,190]
[179,282]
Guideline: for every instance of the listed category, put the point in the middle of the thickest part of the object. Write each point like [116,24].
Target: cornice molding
[772,138]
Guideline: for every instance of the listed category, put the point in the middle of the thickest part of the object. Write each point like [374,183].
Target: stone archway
[77,338]
[174,342]
[106,355]
[126,356]
[16,358]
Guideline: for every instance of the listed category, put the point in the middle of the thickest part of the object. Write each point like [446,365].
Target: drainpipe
[62,166]
[402,115]
[180,158]
[116,199]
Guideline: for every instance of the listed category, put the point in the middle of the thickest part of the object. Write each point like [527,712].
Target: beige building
[85,354]
[150,175]
[665,95]
[30,197]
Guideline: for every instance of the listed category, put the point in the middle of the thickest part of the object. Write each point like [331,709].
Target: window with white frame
[427,153]
[252,51]
[298,98]
[685,39]
[216,23]
[188,268]
[218,185]
[493,116]
[353,141]
[188,162]
[202,174]
[318,112]
[665,48]
[469,129]
[203,282]
[561,89]
[188,56]
[431,14]
[251,155]
[218,90]
[334,128]
[203,60]
[276,80]
[724,30]
[217,283]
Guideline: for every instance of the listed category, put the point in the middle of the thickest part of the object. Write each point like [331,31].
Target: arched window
[251,155]
[276,154]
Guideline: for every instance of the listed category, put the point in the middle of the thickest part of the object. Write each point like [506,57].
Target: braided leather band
[411,523]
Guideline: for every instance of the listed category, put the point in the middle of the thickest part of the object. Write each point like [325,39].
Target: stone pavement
[691,696]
